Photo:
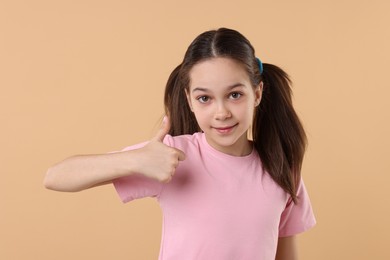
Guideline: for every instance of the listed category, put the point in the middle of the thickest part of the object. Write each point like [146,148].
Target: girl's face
[223,101]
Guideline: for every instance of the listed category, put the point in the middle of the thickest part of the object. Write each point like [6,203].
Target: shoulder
[184,142]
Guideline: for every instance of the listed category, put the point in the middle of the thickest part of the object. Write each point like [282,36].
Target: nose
[222,112]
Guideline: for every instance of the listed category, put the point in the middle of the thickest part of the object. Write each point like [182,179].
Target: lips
[225,129]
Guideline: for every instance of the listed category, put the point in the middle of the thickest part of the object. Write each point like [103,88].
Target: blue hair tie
[260,65]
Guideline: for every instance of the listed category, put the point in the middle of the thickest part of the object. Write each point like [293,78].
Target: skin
[223,101]
[155,160]
[287,249]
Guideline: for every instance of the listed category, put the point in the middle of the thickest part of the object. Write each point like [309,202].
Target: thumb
[163,131]
[181,154]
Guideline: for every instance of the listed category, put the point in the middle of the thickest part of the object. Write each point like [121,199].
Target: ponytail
[177,109]
[278,134]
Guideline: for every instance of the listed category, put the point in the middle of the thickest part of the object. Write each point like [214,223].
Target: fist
[159,161]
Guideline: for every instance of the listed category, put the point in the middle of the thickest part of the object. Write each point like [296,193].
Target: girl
[223,195]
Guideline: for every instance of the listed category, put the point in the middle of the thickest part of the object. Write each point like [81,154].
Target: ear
[258,93]
[189,100]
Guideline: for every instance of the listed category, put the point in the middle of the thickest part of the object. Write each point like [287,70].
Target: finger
[181,154]
[163,131]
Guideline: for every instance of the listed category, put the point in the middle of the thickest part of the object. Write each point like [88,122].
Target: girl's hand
[157,160]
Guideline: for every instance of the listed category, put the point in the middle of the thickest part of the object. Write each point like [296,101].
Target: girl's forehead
[218,72]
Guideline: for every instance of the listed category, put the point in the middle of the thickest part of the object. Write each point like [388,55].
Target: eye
[203,99]
[235,95]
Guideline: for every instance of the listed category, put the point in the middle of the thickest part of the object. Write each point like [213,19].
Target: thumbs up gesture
[157,160]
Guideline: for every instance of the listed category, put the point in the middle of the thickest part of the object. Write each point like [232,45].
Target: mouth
[225,129]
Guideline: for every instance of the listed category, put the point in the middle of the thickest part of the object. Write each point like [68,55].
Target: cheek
[200,114]
[246,113]
[203,115]
[246,107]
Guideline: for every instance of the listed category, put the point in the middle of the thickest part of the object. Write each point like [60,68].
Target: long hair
[278,135]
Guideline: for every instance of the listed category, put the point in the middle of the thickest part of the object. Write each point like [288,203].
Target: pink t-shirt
[219,206]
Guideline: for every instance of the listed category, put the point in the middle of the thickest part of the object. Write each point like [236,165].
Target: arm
[155,160]
[81,172]
[287,249]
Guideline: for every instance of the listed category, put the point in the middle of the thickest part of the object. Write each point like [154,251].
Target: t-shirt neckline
[225,155]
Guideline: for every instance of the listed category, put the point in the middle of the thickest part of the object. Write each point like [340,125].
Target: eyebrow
[228,88]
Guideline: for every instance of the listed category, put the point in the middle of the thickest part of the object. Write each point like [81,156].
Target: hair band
[260,65]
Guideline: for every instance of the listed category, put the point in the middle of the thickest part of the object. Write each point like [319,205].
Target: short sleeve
[297,218]
[136,186]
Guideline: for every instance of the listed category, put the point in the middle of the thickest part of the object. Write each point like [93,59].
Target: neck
[241,148]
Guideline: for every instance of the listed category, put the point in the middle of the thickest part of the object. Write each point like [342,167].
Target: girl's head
[221,43]
[216,61]
[223,100]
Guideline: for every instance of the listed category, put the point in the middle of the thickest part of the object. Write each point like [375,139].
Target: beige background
[81,77]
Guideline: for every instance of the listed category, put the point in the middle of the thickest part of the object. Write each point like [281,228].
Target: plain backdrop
[87,76]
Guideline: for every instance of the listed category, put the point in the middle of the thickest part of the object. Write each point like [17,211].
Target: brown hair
[278,135]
